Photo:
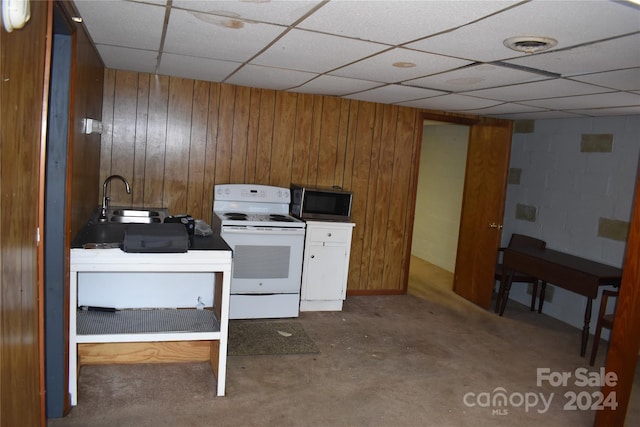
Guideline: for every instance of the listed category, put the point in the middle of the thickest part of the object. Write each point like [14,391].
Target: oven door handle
[263,231]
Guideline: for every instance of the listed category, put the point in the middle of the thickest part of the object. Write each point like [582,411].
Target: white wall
[571,191]
[439,196]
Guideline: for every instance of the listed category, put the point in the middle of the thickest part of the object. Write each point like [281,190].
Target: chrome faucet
[105,199]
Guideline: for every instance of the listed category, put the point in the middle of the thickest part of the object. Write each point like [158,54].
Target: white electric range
[267,244]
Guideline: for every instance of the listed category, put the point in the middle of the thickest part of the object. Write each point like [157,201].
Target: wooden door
[622,356]
[482,211]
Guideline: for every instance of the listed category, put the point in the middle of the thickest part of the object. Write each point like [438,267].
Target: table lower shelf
[146,325]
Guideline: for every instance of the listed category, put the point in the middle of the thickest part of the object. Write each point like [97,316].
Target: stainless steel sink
[137,216]
[135,219]
[136,212]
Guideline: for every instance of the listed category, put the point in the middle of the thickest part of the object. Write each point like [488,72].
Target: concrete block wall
[572,191]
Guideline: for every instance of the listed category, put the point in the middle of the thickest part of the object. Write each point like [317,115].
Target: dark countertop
[113,233]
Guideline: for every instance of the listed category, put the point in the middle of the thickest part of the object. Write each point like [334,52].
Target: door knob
[494,225]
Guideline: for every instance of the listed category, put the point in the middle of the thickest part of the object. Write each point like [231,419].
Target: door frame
[483,298]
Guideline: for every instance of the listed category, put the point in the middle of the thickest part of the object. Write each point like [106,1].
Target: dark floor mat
[249,338]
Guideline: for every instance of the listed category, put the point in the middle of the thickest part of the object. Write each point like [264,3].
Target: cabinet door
[325,273]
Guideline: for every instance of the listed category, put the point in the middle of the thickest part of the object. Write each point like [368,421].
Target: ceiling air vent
[530,44]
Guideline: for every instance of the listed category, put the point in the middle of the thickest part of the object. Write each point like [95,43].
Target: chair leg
[596,337]
[543,290]
[534,294]
[596,342]
[505,296]
[499,298]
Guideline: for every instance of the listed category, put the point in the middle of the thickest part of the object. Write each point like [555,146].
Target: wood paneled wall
[175,138]
[84,150]
[24,67]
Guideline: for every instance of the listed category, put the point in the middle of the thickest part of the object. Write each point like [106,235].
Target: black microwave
[323,204]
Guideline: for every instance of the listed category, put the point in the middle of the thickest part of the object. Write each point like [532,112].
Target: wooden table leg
[585,328]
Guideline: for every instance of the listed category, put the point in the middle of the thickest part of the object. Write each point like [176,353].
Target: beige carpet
[383,361]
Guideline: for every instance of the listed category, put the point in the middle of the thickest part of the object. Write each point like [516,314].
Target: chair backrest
[606,294]
[522,241]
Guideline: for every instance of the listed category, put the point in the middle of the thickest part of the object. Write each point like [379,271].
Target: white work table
[150,313]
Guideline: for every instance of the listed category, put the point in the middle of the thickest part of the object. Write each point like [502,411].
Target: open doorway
[440,188]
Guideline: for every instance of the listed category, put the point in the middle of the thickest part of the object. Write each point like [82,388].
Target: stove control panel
[251,192]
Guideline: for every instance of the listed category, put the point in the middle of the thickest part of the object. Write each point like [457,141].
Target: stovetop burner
[238,216]
[278,217]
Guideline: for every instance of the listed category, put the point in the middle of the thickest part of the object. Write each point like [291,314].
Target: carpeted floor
[435,360]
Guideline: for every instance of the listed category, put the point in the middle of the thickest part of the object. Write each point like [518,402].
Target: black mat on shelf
[146,321]
[252,338]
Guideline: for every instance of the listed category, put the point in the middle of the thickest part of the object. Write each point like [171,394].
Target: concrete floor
[427,360]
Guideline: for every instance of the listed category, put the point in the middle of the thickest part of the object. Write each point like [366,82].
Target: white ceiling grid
[449,55]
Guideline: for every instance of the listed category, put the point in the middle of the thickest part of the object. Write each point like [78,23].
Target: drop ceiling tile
[507,108]
[566,21]
[537,90]
[336,86]
[539,115]
[308,51]
[475,77]
[397,22]
[156,2]
[452,102]
[621,79]
[600,100]
[275,12]
[380,67]
[192,67]
[217,37]
[392,94]
[124,58]
[613,54]
[614,111]
[269,77]
[122,23]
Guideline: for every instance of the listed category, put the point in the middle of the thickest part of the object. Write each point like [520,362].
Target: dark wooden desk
[569,272]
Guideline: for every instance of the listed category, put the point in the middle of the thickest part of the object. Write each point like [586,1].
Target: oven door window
[261,262]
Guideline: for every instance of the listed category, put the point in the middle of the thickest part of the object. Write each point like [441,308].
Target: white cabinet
[325,266]
[152,322]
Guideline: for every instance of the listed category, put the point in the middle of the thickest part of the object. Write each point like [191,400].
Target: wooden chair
[519,241]
[604,320]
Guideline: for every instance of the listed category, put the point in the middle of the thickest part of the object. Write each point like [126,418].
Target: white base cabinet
[325,265]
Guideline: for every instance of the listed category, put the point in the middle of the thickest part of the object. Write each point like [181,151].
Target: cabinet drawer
[336,235]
